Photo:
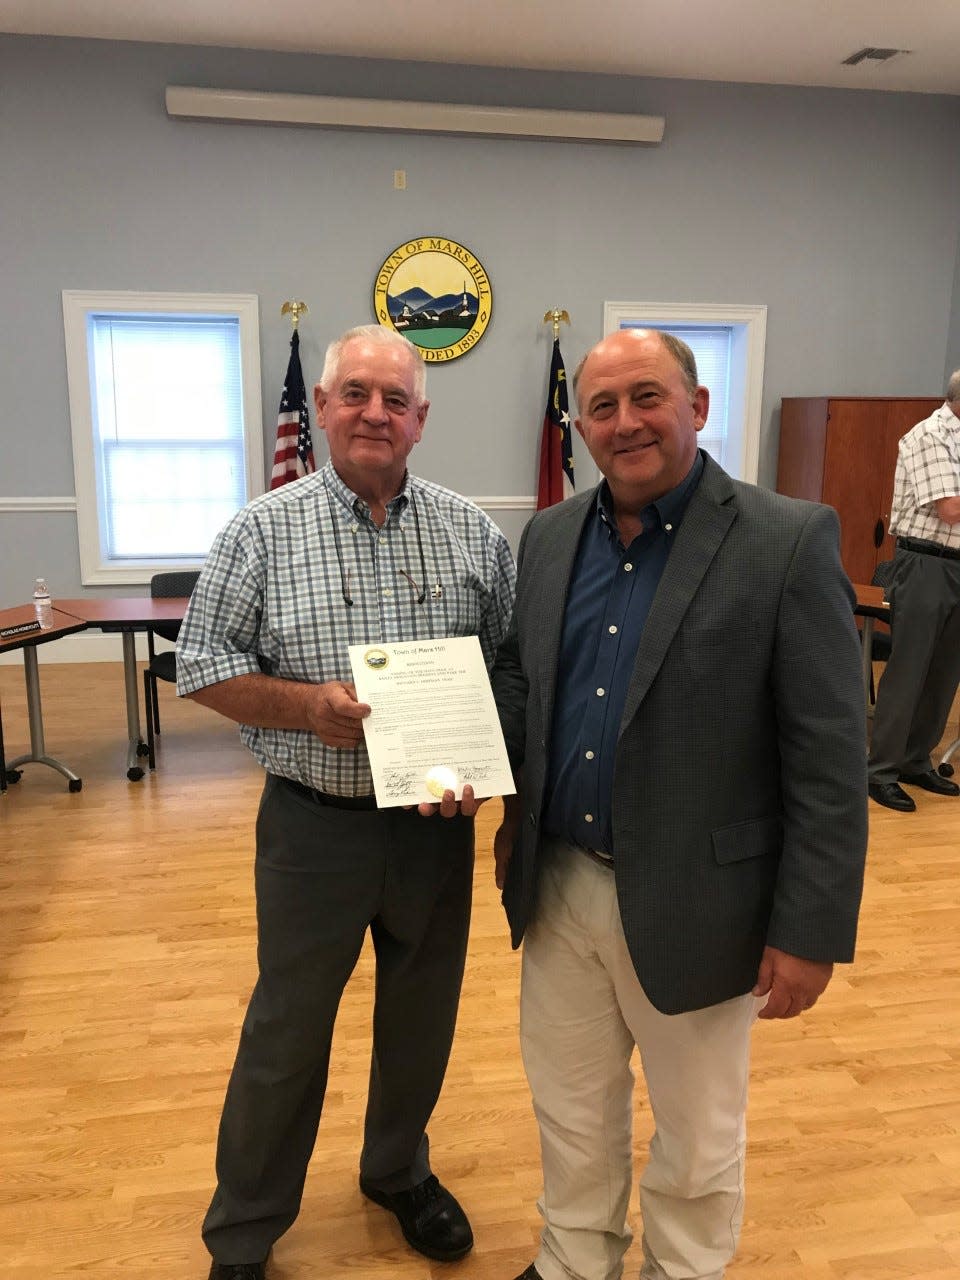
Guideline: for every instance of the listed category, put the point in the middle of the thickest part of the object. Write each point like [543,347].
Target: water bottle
[43,606]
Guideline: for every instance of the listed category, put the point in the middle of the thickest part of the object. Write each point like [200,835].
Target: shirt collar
[356,505]
[665,512]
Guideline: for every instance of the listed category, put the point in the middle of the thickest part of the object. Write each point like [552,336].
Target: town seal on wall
[436,293]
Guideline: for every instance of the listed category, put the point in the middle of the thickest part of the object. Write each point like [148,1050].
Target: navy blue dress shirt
[611,591]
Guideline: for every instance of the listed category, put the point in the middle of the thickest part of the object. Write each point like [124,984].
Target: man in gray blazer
[681,697]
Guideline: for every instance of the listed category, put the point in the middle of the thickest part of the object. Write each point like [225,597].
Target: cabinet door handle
[878,534]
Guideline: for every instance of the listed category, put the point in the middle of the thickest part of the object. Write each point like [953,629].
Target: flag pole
[293,457]
[554,317]
[555,474]
[294,309]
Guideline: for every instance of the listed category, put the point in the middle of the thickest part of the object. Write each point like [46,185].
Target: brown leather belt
[325,798]
[924,548]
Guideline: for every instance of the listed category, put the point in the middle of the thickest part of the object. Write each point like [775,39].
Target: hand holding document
[433,722]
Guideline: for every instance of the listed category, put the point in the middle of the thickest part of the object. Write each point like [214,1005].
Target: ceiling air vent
[871,55]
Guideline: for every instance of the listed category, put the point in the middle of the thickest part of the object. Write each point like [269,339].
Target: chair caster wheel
[75,784]
[135,774]
[14,775]
[142,749]
[946,770]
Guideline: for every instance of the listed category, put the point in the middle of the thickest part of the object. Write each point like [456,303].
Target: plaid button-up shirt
[928,469]
[273,598]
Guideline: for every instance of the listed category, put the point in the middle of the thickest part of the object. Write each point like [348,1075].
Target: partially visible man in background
[919,683]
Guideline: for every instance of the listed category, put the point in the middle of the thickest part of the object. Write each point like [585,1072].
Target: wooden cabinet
[843,451]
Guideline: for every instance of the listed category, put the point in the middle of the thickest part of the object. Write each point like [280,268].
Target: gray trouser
[323,877]
[917,688]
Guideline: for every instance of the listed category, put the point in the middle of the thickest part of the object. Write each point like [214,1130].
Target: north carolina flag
[556,453]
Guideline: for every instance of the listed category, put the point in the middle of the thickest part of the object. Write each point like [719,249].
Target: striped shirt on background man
[927,470]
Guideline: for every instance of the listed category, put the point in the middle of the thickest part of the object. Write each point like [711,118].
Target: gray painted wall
[839,210]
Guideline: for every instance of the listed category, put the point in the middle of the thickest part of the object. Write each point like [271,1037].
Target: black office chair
[162,666]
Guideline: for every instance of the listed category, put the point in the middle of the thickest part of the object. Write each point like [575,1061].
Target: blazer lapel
[554,580]
[711,511]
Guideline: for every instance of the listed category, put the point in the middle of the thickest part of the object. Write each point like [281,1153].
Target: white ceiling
[759,41]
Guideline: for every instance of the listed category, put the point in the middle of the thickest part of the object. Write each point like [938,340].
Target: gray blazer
[739,802]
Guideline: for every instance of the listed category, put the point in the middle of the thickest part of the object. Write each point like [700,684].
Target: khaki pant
[582,1012]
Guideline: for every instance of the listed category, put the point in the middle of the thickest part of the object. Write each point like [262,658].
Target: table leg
[134,741]
[38,751]
[3,758]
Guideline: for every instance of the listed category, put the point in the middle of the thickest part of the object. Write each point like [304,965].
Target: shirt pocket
[461,607]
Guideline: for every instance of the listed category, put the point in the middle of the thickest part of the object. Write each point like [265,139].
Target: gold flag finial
[554,317]
[294,308]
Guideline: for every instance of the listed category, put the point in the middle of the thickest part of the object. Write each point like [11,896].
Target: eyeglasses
[436,591]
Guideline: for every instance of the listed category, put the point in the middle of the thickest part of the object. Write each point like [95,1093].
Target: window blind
[168,431]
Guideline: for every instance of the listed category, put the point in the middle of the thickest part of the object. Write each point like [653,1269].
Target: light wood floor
[127,954]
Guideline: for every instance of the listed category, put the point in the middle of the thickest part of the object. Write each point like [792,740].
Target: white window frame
[78,304]
[748,324]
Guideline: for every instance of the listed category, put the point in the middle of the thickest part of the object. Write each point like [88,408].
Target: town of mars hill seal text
[436,293]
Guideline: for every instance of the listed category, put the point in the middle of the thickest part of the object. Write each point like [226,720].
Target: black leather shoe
[431,1220]
[238,1271]
[531,1273]
[892,796]
[931,781]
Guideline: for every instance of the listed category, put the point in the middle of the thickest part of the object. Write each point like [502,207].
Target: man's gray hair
[686,361]
[953,387]
[380,337]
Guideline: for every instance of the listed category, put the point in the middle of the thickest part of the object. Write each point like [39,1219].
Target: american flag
[294,454]
[556,452]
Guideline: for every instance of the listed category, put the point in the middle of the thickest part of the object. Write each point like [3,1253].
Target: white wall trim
[506,504]
[498,502]
[751,318]
[19,506]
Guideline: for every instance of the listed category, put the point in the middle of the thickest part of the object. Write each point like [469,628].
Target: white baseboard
[86,646]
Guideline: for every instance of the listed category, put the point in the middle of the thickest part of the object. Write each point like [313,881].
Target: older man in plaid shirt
[360,551]
[920,681]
